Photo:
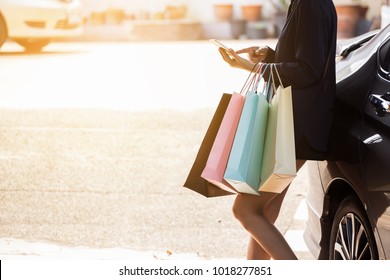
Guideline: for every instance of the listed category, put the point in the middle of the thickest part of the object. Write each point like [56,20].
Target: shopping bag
[244,166]
[219,154]
[279,160]
[194,180]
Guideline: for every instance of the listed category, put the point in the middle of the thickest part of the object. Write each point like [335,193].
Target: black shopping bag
[194,180]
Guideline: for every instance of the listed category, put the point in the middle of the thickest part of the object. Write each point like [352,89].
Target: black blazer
[305,59]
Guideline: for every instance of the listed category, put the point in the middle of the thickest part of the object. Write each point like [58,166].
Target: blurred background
[194,19]
[169,19]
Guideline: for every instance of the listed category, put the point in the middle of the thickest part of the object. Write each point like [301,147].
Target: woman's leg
[257,214]
[250,211]
[255,251]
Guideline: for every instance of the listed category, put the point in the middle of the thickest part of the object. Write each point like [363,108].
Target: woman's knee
[248,213]
[238,209]
[241,208]
[245,207]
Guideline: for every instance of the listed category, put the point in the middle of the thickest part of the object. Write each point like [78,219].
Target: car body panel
[359,162]
[376,156]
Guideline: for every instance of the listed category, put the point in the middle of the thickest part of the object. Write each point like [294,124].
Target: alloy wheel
[351,235]
[352,241]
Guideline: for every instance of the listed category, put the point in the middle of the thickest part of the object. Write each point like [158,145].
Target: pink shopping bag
[220,151]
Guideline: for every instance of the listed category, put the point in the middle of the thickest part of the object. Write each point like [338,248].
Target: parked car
[33,24]
[349,195]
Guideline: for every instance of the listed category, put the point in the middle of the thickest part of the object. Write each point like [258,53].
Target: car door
[375,147]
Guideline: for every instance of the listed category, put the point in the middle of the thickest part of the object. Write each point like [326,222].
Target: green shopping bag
[279,160]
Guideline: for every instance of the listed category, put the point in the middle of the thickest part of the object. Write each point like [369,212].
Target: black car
[349,194]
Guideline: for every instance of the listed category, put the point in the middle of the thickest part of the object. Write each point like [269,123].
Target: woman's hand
[255,54]
[236,61]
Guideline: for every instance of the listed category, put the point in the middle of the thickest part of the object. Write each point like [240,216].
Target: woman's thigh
[267,204]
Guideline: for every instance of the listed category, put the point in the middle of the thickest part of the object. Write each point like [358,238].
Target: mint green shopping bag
[279,160]
[244,166]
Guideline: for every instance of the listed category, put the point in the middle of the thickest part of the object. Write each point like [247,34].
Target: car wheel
[33,45]
[351,235]
[3,31]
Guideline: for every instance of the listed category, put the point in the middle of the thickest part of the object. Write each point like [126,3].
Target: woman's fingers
[226,57]
[234,60]
[249,50]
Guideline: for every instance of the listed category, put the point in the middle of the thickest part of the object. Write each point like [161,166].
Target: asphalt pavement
[77,182]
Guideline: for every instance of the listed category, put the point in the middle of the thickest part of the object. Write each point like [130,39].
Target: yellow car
[34,23]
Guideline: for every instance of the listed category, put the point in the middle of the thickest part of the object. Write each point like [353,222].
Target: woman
[305,59]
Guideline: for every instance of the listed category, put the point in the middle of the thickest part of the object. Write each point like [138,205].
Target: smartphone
[219,44]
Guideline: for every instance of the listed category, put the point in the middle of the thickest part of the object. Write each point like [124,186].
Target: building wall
[201,10]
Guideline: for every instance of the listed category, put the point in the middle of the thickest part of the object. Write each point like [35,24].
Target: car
[349,194]
[34,24]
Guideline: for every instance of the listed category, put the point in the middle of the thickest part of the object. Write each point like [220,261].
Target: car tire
[35,45]
[351,235]
[3,31]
